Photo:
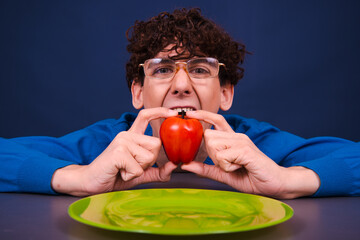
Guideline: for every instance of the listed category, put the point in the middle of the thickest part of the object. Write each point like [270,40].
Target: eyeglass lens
[196,68]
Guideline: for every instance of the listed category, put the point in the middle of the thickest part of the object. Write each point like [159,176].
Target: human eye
[200,71]
[162,71]
[160,68]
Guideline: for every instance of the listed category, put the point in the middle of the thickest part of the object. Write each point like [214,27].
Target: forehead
[171,51]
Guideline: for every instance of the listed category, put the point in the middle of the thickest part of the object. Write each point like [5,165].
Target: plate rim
[289,213]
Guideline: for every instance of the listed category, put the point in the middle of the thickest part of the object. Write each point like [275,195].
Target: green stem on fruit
[182,113]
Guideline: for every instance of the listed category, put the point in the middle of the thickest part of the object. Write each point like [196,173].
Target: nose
[181,83]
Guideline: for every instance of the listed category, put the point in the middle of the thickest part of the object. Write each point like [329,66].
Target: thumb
[162,174]
[205,170]
[165,172]
[151,174]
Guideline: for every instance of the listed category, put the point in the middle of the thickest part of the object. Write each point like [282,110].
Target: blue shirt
[28,163]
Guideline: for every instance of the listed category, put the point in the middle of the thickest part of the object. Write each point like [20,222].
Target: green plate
[179,211]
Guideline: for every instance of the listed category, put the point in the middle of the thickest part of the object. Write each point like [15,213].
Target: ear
[137,94]
[227,96]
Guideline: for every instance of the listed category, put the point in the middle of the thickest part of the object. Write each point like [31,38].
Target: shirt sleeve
[28,163]
[335,160]
[338,168]
[26,170]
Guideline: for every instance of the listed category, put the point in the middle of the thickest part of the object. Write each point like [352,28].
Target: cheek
[154,96]
[210,100]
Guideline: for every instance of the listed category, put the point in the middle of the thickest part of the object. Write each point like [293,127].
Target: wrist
[300,182]
[67,180]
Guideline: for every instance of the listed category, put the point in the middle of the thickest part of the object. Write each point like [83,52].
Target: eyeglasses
[197,68]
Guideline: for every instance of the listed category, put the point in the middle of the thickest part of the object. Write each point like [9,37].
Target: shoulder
[264,135]
[248,126]
[112,126]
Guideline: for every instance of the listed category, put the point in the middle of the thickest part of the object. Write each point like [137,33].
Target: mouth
[185,109]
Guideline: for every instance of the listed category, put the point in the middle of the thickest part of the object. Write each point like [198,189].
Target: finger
[165,171]
[151,174]
[144,149]
[214,142]
[227,160]
[146,115]
[205,170]
[150,143]
[162,174]
[218,140]
[217,120]
[228,157]
[143,156]
[226,165]
[227,149]
[223,135]
[129,168]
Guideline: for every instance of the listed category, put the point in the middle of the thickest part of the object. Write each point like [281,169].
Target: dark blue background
[62,62]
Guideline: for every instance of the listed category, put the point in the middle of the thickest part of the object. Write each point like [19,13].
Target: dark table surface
[37,216]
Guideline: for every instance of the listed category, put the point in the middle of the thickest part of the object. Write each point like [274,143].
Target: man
[181,61]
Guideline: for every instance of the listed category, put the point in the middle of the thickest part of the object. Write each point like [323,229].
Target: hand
[240,164]
[125,163]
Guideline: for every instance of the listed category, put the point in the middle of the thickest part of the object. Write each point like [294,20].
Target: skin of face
[181,92]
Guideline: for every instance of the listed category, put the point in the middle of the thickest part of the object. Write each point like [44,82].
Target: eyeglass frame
[184,63]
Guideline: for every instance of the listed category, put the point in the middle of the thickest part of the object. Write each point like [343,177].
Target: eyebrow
[163,60]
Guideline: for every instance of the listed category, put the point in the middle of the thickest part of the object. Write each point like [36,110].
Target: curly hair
[192,35]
